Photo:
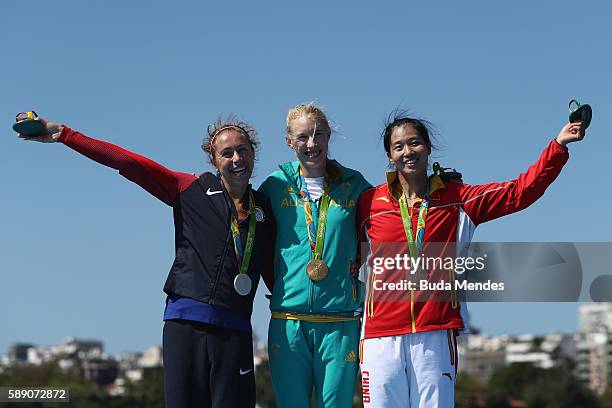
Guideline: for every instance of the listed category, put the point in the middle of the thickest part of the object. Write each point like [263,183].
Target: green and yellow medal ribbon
[243,254]
[316,232]
[415,245]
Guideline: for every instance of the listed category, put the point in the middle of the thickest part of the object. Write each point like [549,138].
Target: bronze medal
[317,270]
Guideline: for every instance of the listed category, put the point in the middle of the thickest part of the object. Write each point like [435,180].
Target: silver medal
[242,284]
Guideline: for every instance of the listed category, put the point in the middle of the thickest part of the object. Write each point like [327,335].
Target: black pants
[207,366]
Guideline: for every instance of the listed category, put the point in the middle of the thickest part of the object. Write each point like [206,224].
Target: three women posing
[225,237]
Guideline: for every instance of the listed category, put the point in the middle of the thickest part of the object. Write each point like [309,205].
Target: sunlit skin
[571,132]
[408,153]
[309,141]
[234,158]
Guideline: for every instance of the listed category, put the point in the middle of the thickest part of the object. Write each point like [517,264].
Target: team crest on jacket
[259,215]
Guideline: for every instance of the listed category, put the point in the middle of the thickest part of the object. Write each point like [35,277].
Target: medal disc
[242,284]
[29,127]
[317,270]
[582,113]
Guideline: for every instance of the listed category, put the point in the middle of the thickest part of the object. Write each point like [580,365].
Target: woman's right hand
[50,134]
[571,132]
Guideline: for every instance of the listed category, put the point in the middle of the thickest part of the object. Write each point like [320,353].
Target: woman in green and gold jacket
[313,336]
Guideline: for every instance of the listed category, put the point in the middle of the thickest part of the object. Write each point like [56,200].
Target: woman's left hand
[572,132]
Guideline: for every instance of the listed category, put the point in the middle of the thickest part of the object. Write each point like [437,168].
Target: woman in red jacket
[409,351]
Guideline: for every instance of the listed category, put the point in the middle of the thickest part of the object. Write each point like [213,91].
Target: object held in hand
[446,173]
[27,124]
[581,113]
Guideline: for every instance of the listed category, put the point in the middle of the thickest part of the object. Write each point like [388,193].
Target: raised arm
[489,201]
[158,180]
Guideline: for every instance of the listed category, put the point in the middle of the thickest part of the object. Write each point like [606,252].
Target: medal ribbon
[414,245]
[243,254]
[316,233]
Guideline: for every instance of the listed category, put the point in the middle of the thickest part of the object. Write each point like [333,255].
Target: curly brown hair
[231,122]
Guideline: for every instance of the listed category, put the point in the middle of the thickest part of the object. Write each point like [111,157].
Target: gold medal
[317,270]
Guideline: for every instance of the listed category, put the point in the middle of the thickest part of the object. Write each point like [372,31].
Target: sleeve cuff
[559,145]
[66,134]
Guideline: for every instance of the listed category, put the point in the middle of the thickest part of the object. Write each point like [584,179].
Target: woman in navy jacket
[224,236]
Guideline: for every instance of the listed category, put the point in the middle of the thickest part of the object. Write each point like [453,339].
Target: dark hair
[231,122]
[398,118]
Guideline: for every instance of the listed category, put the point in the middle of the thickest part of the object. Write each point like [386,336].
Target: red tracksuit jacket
[455,209]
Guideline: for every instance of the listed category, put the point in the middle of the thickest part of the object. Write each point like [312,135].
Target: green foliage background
[535,387]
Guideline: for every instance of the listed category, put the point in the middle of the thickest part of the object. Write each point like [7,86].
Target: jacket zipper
[412,311]
[294,184]
[311,288]
[310,295]
[221,262]
[412,320]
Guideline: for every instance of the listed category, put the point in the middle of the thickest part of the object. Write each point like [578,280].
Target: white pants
[409,371]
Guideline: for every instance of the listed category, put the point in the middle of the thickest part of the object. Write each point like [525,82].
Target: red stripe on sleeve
[489,201]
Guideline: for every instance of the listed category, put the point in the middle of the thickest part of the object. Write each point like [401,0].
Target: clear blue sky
[85,252]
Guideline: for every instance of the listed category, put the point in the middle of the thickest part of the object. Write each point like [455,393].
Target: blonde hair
[231,122]
[310,110]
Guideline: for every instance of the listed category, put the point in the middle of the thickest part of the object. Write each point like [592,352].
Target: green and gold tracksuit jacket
[338,294]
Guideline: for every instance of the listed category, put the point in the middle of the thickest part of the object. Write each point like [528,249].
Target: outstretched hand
[571,132]
[50,134]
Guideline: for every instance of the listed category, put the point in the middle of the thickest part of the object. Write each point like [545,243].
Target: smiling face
[309,139]
[233,156]
[408,152]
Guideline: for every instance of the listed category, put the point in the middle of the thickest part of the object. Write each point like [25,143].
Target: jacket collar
[394,189]
[334,171]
